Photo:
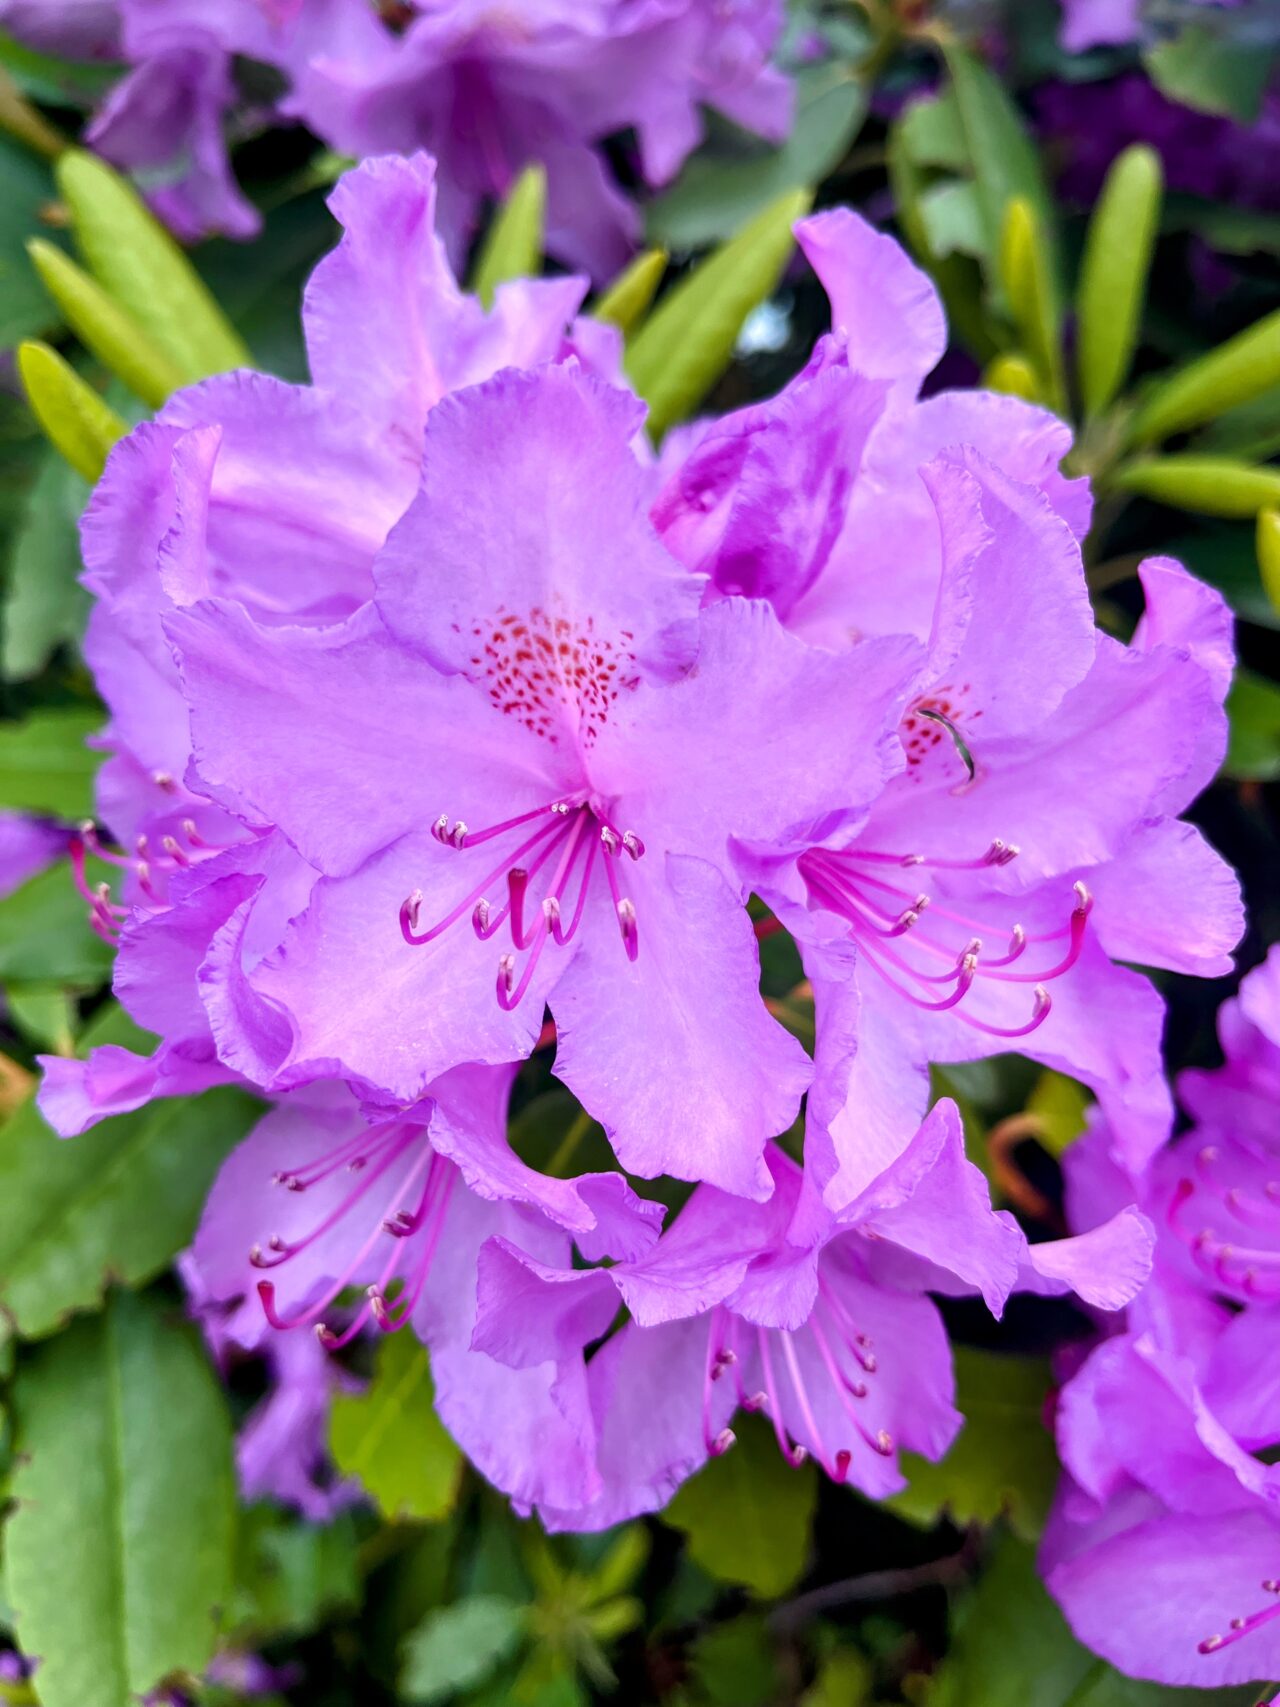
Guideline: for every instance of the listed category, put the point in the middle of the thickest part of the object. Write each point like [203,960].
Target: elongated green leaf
[1030,287]
[1003,1460]
[512,248]
[25,310]
[459,1646]
[111,332]
[45,765]
[687,342]
[1001,157]
[391,1439]
[137,262]
[1114,273]
[720,190]
[118,1554]
[43,603]
[626,302]
[1207,485]
[1242,368]
[1253,712]
[767,1543]
[1211,71]
[1269,553]
[79,425]
[116,1203]
[290,1574]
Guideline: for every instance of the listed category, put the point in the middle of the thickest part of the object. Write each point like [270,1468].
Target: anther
[162,779]
[410,912]
[609,839]
[480,918]
[506,974]
[632,843]
[630,931]
[175,851]
[883,1443]
[722,1442]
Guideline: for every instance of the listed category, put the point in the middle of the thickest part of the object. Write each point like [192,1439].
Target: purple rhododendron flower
[1097,23]
[1029,841]
[27,847]
[1164,1548]
[487,89]
[823,1322]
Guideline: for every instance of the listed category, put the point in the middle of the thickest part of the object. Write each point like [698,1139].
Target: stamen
[1241,1627]
[790,1450]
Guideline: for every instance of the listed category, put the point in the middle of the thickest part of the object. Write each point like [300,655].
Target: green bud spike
[1206,485]
[1269,553]
[1237,371]
[136,261]
[108,330]
[512,248]
[1114,274]
[687,342]
[1027,277]
[626,302]
[76,421]
[1013,375]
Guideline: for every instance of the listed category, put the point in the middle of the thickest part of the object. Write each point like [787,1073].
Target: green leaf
[735,1664]
[45,765]
[1010,1647]
[116,1204]
[765,1545]
[1060,1105]
[1114,274]
[512,248]
[718,192]
[391,1439]
[118,1552]
[687,342]
[75,420]
[459,1646]
[1030,287]
[45,1014]
[137,262]
[999,156]
[1013,375]
[291,1575]
[1236,372]
[626,302]
[43,601]
[1211,72]
[25,311]
[1225,556]
[1206,485]
[1253,711]
[1003,1461]
[110,332]
[45,934]
[1268,546]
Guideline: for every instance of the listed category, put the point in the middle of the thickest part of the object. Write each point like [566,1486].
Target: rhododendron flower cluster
[449,724]
[490,89]
[1164,1550]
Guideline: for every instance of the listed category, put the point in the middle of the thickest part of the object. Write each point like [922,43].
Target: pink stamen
[793,1453]
[1239,1628]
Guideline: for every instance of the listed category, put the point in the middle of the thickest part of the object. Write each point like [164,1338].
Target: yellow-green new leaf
[1027,276]
[512,247]
[75,420]
[1205,485]
[1237,371]
[109,331]
[1114,274]
[1013,375]
[137,262]
[687,342]
[1269,553]
[626,302]
[390,1438]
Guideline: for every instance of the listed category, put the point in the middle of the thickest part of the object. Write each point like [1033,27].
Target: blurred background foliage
[1078,271]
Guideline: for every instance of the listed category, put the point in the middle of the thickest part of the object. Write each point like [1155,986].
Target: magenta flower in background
[1030,840]
[1164,1550]
[1097,23]
[487,89]
[27,846]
